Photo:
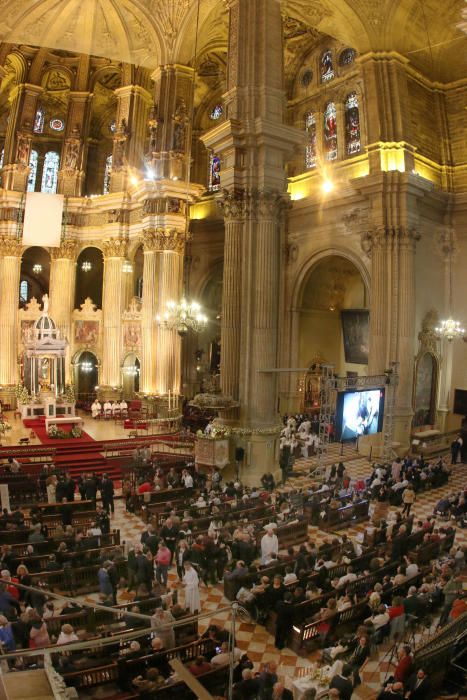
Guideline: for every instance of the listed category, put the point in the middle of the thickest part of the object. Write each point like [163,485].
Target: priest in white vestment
[191,583]
[269,544]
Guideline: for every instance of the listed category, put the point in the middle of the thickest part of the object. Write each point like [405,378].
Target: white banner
[43,219]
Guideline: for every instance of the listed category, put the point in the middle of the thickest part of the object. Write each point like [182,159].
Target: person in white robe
[107,408]
[123,407]
[96,408]
[304,428]
[191,583]
[269,543]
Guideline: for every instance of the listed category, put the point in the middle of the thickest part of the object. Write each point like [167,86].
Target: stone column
[132,110]
[19,137]
[72,162]
[62,292]
[113,299]
[10,267]
[163,267]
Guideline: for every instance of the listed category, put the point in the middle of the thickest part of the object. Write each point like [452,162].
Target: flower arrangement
[59,434]
[22,394]
[4,427]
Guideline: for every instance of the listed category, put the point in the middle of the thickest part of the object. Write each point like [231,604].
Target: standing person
[113,578]
[105,586]
[162,621]
[408,499]
[107,493]
[169,533]
[70,487]
[51,483]
[191,583]
[269,543]
[182,553]
[90,490]
[162,561]
[284,620]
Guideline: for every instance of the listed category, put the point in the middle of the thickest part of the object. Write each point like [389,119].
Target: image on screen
[360,413]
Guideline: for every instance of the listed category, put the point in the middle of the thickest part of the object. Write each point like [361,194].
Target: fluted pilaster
[10,266]
[62,292]
[112,308]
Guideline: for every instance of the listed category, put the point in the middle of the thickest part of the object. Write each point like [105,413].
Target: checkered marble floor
[253,638]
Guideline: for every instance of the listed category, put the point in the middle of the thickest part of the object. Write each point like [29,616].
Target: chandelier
[86,266]
[183,317]
[86,366]
[37,268]
[450,329]
[127,266]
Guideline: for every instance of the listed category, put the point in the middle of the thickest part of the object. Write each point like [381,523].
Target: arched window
[1,157]
[32,171]
[107,173]
[23,291]
[347,56]
[39,121]
[330,131]
[326,67]
[310,148]
[352,124]
[50,172]
[139,287]
[214,173]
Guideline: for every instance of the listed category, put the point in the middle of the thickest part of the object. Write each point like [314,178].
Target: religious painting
[330,131]
[131,334]
[425,390]
[356,333]
[86,332]
[215,173]
[327,68]
[26,329]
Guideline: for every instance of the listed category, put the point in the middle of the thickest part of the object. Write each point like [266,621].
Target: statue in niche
[45,302]
[180,120]
[71,157]
[22,150]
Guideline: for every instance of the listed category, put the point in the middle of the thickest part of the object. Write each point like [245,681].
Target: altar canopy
[44,356]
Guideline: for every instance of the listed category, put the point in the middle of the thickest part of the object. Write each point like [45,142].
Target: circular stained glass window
[307,77]
[57,124]
[216,113]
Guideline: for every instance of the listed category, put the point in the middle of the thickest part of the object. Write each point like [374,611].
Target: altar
[74,420]
[44,370]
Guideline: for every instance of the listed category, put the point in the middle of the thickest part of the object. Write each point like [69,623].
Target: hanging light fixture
[127,267]
[450,329]
[86,266]
[131,370]
[86,366]
[37,269]
[183,317]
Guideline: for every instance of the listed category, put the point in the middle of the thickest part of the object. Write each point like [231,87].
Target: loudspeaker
[239,454]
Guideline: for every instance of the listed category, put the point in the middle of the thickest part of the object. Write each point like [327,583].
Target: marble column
[62,293]
[148,315]
[113,299]
[10,267]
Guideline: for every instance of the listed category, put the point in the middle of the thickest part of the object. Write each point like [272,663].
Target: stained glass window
[347,56]
[216,112]
[57,124]
[107,173]
[327,68]
[214,173]
[50,172]
[310,148]
[113,126]
[330,131]
[39,121]
[1,157]
[32,171]
[352,124]
[23,290]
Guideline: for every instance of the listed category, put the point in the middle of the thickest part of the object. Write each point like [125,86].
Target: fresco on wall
[26,327]
[86,332]
[425,390]
[355,329]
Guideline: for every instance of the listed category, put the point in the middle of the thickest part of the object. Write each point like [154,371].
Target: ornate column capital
[115,248]
[10,247]
[233,205]
[67,250]
[164,239]
[389,236]
[240,204]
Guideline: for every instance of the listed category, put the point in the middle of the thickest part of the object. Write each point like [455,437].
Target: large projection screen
[43,219]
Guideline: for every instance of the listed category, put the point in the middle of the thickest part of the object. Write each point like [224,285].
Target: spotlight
[327,186]
[134,180]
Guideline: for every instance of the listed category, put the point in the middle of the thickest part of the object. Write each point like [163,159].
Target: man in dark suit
[342,683]
[418,686]
[393,691]
[107,493]
[284,620]
[66,511]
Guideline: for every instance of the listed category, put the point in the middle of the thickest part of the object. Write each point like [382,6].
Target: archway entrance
[89,277]
[35,275]
[86,376]
[130,376]
[334,317]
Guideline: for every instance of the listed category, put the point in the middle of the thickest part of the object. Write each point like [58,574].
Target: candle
[169,399]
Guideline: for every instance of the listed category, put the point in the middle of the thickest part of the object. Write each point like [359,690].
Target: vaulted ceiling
[151,32]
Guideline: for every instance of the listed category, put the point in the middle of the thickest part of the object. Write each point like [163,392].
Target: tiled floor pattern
[253,638]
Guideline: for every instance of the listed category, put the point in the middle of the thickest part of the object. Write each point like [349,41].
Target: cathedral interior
[296,169]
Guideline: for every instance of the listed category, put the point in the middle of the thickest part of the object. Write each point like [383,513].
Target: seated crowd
[231,533]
